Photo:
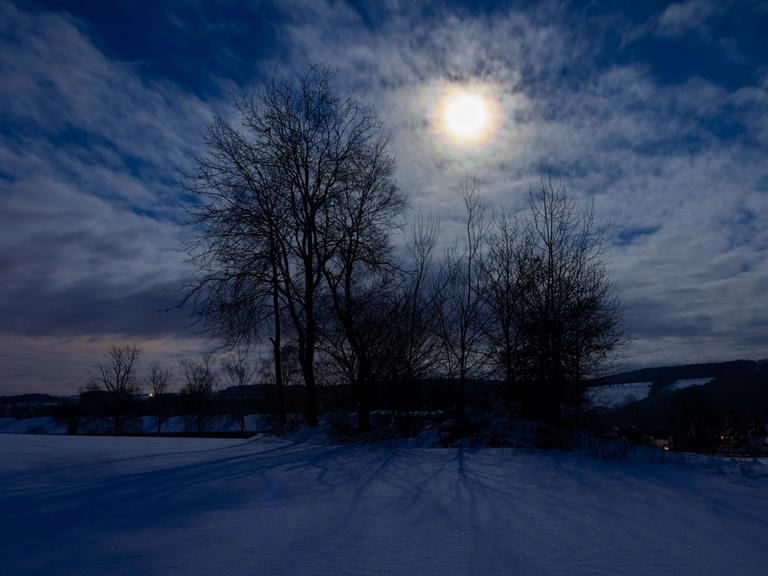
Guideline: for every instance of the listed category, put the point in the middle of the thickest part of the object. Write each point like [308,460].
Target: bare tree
[159,380]
[117,377]
[200,382]
[240,374]
[410,342]
[461,301]
[573,321]
[417,343]
[507,276]
[354,340]
[272,188]
[237,294]
[360,273]
[290,368]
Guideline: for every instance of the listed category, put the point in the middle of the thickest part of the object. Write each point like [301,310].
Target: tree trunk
[277,340]
[311,396]
[363,397]
[277,352]
[307,360]
[508,368]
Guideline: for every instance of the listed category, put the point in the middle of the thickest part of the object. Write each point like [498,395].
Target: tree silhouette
[272,194]
[117,377]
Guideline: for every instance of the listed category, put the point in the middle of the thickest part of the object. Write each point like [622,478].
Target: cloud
[89,207]
[680,17]
[680,161]
[91,216]
[89,200]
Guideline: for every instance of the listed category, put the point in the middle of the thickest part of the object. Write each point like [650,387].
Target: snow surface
[146,424]
[616,395]
[304,506]
[687,383]
[39,425]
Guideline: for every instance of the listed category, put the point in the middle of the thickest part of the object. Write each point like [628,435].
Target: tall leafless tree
[573,321]
[507,274]
[239,373]
[461,294]
[237,292]
[200,383]
[361,271]
[412,344]
[159,381]
[273,185]
[117,377]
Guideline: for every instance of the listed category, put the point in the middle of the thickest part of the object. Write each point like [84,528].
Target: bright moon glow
[466,117]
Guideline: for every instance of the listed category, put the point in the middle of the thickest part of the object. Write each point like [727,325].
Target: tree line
[296,209]
[114,385]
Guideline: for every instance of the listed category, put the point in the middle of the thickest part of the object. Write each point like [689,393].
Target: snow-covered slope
[299,506]
[687,383]
[615,395]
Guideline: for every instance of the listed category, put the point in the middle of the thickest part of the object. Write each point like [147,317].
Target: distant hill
[671,373]
[699,415]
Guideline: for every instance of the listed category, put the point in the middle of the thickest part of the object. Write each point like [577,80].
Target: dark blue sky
[657,110]
[190,43]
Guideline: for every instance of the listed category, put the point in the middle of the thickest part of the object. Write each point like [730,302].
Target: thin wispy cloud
[681,17]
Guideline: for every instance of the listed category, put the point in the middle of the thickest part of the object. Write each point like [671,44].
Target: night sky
[659,113]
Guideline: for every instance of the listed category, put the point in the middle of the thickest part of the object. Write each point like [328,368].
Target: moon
[466,117]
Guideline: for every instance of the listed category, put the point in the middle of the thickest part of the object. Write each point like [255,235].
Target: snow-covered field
[301,506]
[145,424]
